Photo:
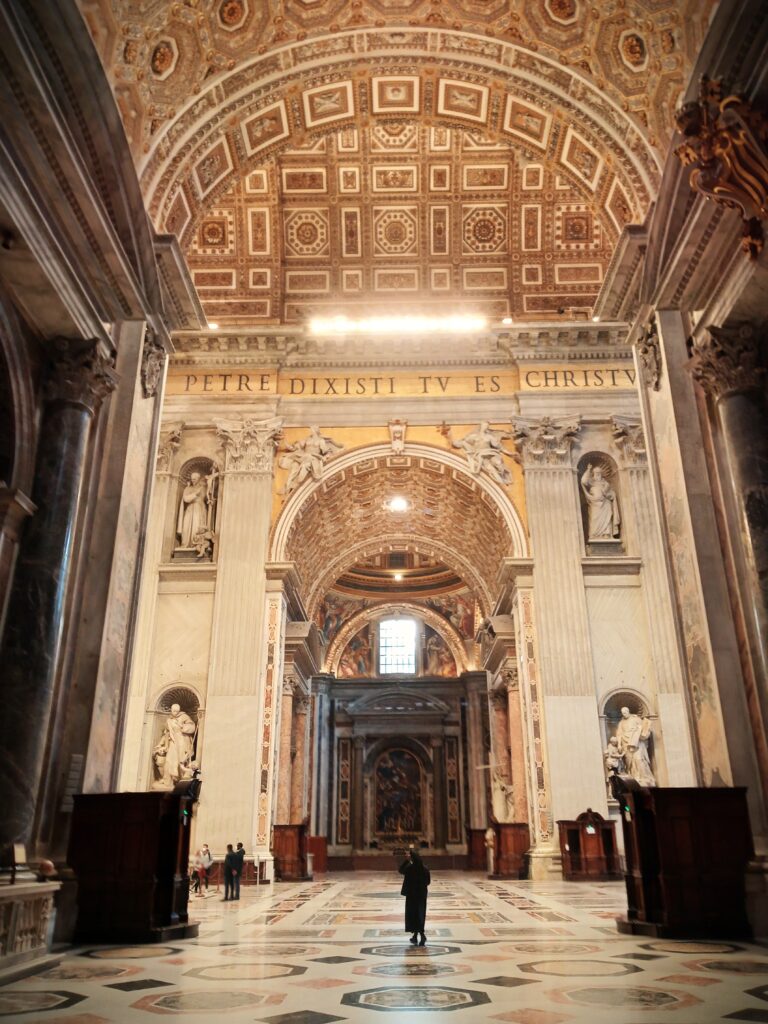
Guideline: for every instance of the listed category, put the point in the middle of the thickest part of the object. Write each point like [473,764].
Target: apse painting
[458,609]
[397,782]
[357,658]
[333,613]
[438,660]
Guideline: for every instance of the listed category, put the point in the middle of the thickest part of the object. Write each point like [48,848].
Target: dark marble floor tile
[302,1017]
[639,956]
[761,1016]
[505,982]
[335,959]
[140,983]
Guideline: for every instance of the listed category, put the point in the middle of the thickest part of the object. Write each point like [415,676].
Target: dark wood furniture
[513,840]
[588,848]
[318,847]
[289,848]
[476,849]
[130,854]
[687,852]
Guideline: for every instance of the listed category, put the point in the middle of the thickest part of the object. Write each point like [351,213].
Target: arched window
[397,646]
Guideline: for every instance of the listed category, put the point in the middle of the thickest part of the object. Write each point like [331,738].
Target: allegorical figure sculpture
[484,451]
[632,736]
[307,457]
[194,525]
[502,798]
[602,505]
[172,756]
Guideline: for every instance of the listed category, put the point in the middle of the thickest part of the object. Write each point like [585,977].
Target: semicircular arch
[392,608]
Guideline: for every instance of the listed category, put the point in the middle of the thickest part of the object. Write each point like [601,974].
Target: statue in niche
[614,762]
[632,736]
[484,451]
[307,457]
[172,756]
[604,518]
[502,798]
[194,524]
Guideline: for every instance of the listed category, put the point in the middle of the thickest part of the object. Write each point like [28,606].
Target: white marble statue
[602,505]
[484,452]
[502,798]
[614,762]
[172,756]
[632,736]
[194,524]
[307,457]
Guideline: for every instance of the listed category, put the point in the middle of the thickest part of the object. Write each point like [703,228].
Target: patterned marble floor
[333,950]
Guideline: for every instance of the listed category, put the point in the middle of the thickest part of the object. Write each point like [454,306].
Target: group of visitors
[202,864]
[201,869]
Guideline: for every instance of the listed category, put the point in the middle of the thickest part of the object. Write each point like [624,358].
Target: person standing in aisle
[240,854]
[416,879]
[231,866]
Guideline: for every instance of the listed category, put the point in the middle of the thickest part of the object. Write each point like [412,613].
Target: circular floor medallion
[406,949]
[683,946]
[13,1003]
[733,966]
[415,998]
[244,972]
[270,949]
[581,968]
[564,948]
[421,970]
[626,998]
[202,1001]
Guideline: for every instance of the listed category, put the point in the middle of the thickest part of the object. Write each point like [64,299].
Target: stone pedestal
[26,910]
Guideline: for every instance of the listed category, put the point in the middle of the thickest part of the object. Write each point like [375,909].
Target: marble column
[727,364]
[440,808]
[78,380]
[478,804]
[498,711]
[322,782]
[511,682]
[299,769]
[358,792]
[644,538]
[562,626]
[237,679]
[135,759]
[283,801]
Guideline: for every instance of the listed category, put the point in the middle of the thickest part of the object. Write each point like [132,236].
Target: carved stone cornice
[153,356]
[630,440]
[169,441]
[249,445]
[725,147]
[80,374]
[727,360]
[544,442]
[649,356]
[511,677]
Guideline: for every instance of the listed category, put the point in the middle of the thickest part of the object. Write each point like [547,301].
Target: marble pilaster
[727,364]
[134,768]
[565,657]
[79,378]
[645,538]
[285,773]
[299,770]
[478,804]
[321,779]
[511,682]
[239,655]
[358,792]
[440,809]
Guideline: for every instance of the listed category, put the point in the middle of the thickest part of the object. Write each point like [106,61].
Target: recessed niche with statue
[600,504]
[195,535]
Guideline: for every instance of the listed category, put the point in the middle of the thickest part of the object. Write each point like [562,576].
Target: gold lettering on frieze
[241,383]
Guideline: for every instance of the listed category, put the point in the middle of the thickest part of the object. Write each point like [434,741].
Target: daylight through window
[397,646]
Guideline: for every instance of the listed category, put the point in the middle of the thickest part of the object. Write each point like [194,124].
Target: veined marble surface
[334,950]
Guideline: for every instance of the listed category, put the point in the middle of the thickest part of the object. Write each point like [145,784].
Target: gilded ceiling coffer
[726,149]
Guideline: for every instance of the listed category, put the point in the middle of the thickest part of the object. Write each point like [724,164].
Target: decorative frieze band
[544,442]
[249,445]
[80,374]
[727,360]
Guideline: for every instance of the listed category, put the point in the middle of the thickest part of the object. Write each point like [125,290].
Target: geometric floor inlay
[260,960]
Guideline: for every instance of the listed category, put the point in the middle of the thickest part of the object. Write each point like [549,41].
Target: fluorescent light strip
[458,324]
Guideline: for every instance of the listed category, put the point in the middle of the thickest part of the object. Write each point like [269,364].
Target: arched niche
[176,740]
[637,704]
[398,777]
[601,504]
[195,511]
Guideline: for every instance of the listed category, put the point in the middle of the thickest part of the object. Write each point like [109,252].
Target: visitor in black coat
[415,882]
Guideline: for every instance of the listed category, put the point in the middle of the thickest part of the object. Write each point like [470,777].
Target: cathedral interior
[384,465]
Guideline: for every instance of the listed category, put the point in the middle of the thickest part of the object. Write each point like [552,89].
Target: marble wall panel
[577,780]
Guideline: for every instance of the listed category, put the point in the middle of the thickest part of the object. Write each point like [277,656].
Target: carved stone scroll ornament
[726,148]
[249,445]
[649,356]
[727,360]
[397,429]
[170,439]
[80,374]
[153,356]
[629,439]
[545,442]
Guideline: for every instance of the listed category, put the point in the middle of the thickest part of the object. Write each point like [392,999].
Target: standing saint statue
[632,736]
[194,524]
[173,753]
[307,457]
[484,451]
[502,798]
[602,505]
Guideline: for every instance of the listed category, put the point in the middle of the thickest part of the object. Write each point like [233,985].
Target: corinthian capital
[630,439]
[728,360]
[80,374]
[170,439]
[545,442]
[249,445]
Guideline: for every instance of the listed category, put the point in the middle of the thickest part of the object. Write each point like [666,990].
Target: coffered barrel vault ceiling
[318,157]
